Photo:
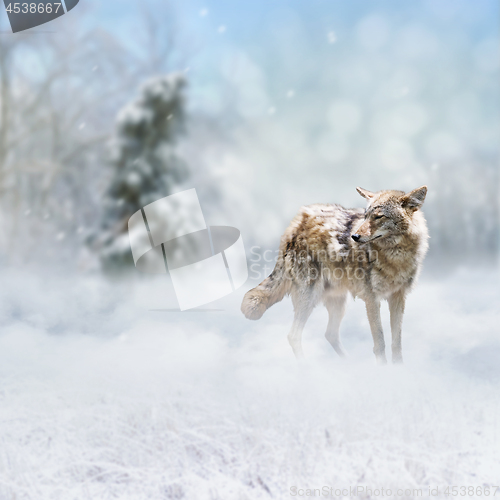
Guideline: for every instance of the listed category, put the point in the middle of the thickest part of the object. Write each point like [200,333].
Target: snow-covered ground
[105,393]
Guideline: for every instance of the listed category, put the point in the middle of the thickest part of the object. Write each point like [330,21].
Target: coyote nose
[355,237]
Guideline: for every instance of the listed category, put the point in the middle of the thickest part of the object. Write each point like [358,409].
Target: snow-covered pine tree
[144,161]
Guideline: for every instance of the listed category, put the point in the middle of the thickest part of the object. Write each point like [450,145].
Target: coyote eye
[378,217]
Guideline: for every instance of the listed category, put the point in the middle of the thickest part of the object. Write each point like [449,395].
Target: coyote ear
[364,193]
[414,199]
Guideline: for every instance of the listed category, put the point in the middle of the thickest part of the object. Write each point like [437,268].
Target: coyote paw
[397,358]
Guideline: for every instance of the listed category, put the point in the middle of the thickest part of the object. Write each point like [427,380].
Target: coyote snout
[329,251]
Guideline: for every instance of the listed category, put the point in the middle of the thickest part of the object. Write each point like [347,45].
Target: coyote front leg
[373,311]
[396,308]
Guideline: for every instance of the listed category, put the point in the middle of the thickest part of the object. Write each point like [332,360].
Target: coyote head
[389,216]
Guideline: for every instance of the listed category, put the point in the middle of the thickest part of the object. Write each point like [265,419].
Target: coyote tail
[259,299]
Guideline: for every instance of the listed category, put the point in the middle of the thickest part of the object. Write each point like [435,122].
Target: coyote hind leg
[303,305]
[335,306]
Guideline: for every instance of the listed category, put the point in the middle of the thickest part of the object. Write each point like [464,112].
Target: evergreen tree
[145,164]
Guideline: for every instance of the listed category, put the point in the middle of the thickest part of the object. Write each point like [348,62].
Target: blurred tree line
[145,165]
[71,173]
[89,131]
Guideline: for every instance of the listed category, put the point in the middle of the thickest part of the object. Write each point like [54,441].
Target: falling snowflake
[60,236]
[290,93]
[221,29]
[403,91]
[27,213]
[95,68]
[271,111]
[203,12]
[81,126]
[332,37]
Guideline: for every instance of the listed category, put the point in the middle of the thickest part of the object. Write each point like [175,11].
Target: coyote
[328,251]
